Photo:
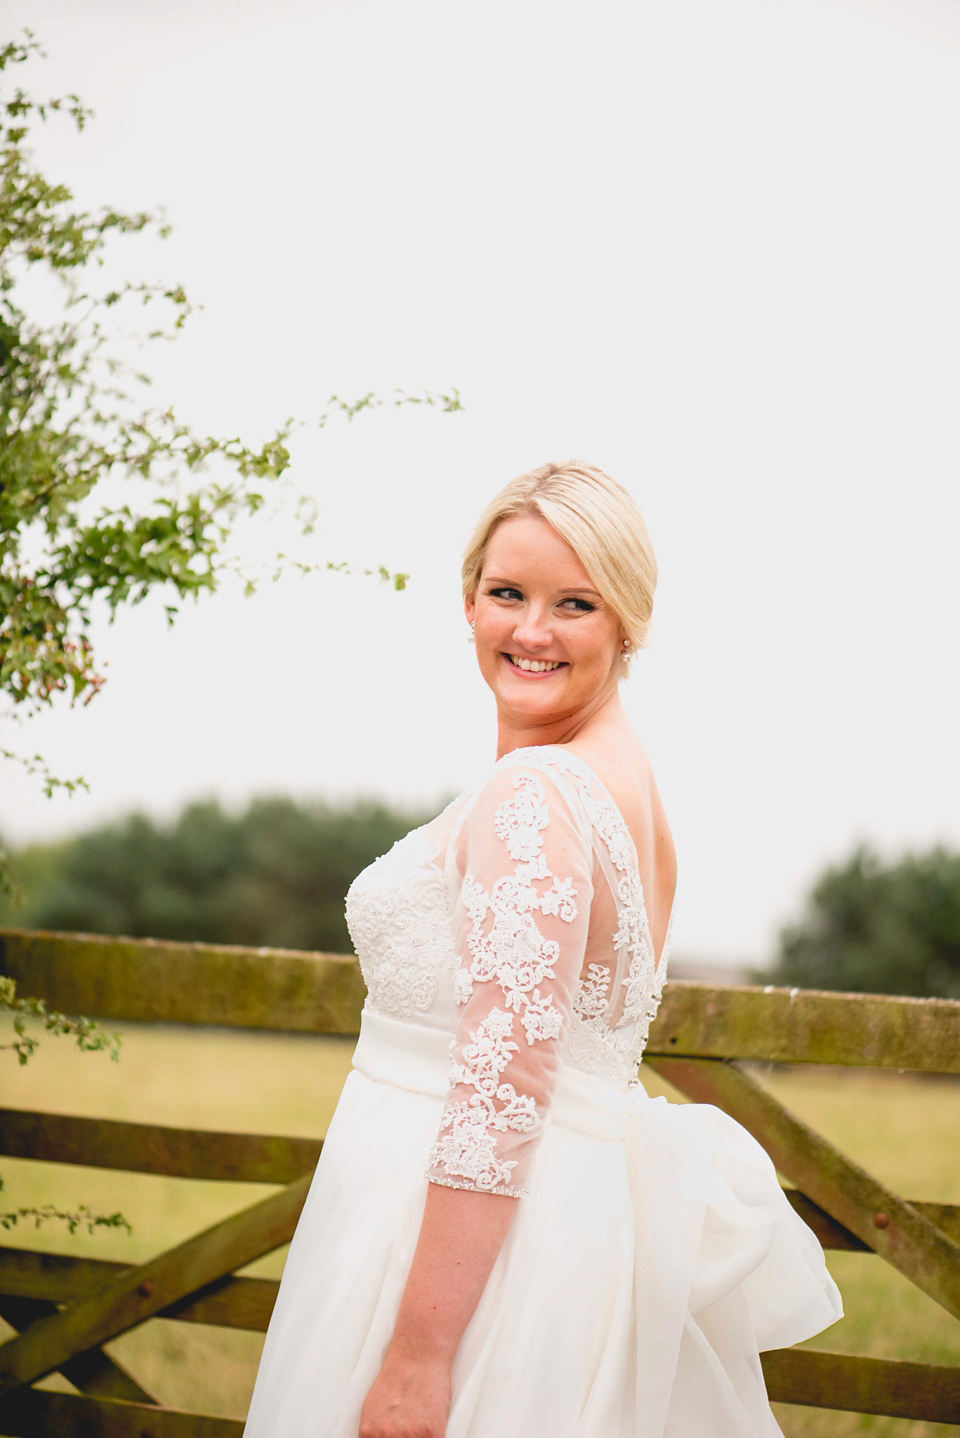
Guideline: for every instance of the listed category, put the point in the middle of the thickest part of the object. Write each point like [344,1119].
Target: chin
[541,706]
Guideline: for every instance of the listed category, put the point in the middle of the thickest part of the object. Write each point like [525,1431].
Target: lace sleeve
[521,924]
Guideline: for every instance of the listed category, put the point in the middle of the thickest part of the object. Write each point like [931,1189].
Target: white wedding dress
[511,982]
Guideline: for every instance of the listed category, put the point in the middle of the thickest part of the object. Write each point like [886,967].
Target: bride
[506,1238]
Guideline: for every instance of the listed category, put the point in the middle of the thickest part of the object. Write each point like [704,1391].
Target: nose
[532,630]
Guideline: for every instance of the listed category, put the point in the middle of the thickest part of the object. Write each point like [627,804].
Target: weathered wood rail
[65,1308]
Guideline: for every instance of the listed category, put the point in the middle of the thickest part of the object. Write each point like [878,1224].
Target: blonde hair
[600,521]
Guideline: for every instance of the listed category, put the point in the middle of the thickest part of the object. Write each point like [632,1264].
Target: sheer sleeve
[521,926]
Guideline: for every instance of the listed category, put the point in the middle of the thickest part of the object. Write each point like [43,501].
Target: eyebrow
[512,584]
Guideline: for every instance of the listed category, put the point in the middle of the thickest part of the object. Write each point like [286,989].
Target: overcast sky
[712,248]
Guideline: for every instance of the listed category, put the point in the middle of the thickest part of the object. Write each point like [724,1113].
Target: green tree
[882,928]
[276,875]
[104,499]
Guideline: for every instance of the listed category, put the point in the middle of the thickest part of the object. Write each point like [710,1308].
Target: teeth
[535,666]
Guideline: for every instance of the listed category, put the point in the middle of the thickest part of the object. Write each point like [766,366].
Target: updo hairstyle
[600,521]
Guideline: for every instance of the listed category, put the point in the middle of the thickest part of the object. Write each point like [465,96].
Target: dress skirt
[653,1258]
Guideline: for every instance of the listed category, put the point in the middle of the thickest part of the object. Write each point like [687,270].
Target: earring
[626,645]
[470,636]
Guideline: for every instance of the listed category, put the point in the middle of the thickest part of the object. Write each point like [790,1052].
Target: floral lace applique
[591,1043]
[591,998]
[514,954]
[462,985]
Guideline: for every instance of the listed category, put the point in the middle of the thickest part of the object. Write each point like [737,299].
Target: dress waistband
[412,1056]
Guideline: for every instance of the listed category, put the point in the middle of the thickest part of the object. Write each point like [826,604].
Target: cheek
[489,639]
[596,649]
[493,625]
[486,630]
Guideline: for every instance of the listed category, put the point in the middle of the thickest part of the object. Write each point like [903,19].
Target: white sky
[711,247]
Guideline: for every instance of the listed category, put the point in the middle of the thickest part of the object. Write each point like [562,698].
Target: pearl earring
[470,636]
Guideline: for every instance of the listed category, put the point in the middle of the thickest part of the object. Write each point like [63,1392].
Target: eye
[581,606]
[505,593]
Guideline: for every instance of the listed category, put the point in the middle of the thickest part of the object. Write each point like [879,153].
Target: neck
[517,731]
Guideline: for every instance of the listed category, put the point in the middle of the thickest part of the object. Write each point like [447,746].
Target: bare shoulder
[621,764]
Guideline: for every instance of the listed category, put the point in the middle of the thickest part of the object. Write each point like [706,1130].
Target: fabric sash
[415,1057]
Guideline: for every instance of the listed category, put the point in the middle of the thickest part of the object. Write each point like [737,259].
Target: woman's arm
[460,1236]
[520,934]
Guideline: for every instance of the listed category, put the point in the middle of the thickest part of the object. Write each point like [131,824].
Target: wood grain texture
[293,991]
[150,980]
[807,1026]
[153,1148]
[54,1278]
[32,1413]
[136,1294]
[833,1235]
[885,1386]
[94,1372]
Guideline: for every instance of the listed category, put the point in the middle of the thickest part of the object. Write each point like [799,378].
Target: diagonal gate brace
[138,1293]
[93,1372]
[888,1225]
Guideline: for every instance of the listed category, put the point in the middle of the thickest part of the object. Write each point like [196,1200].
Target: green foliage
[89,1037]
[88,1034]
[71,1218]
[879,928]
[73,423]
[105,500]
[275,875]
[69,421]
[36,764]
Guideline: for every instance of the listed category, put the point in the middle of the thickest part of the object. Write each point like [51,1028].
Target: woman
[506,1238]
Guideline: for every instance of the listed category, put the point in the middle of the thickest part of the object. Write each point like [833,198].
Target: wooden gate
[64,1309]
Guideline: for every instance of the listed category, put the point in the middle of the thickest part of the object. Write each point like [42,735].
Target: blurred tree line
[876,927]
[275,875]
[278,874]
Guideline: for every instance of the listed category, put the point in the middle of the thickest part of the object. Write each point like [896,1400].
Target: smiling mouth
[534,666]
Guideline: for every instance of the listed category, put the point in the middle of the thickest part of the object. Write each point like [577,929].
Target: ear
[470,607]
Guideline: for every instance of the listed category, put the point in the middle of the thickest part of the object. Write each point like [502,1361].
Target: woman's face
[547,644]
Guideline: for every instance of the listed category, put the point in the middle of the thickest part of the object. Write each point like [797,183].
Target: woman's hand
[460,1236]
[409,1399]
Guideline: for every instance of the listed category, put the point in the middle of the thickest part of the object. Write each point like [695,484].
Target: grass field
[905,1130]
